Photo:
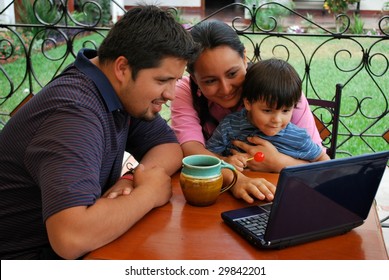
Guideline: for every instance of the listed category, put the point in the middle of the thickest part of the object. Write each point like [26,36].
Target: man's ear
[122,69]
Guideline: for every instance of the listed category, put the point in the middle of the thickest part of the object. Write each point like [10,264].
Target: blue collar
[101,81]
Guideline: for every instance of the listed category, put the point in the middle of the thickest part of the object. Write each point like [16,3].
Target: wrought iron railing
[324,56]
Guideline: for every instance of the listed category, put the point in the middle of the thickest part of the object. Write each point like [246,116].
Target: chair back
[326,114]
[21,104]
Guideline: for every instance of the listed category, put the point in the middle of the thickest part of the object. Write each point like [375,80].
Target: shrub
[357,25]
[338,6]
[266,13]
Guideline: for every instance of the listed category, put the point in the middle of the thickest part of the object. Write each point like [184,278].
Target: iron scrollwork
[361,60]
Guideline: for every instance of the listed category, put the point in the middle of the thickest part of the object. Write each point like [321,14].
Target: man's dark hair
[144,36]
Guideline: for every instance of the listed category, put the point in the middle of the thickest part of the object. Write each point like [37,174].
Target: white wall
[170,3]
[371,5]
[116,12]
[8,16]
[365,5]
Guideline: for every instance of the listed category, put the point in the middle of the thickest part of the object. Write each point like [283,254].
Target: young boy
[271,90]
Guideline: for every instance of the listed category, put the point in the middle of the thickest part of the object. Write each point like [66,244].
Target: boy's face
[268,120]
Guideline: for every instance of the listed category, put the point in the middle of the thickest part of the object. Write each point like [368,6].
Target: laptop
[313,201]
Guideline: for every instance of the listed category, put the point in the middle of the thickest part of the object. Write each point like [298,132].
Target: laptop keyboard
[255,224]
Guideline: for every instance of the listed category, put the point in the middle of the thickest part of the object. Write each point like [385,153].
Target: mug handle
[232,168]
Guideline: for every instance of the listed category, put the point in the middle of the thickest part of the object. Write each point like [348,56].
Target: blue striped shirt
[64,148]
[293,140]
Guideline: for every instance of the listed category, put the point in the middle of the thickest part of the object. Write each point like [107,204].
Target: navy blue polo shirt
[64,148]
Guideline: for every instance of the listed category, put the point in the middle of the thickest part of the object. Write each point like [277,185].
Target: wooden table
[179,231]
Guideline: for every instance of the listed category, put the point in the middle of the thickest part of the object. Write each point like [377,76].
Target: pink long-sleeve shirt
[186,122]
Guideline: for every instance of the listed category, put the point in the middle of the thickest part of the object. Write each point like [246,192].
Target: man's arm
[76,231]
[168,156]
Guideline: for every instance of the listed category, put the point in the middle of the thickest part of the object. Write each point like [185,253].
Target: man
[61,154]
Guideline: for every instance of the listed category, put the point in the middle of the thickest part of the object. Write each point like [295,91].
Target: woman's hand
[271,162]
[249,188]
[274,160]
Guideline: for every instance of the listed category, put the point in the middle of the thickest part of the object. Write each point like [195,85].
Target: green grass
[324,75]
[45,65]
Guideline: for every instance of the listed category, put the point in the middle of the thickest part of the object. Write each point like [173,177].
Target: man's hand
[122,187]
[155,182]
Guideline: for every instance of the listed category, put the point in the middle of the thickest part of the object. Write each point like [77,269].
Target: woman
[212,91]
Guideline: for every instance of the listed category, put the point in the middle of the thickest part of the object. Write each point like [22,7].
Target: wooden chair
[24,101]
[326,114]
[13,112]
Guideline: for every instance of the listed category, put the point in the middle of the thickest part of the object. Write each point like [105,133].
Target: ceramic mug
[201,179]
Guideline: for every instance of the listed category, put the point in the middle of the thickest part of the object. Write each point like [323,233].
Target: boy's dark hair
[145,35]
[273,81]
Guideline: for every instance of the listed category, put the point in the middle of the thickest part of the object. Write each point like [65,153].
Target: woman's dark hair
[209,35]
[144,36]
[273,81]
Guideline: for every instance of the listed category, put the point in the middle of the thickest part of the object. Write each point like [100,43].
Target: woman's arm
[303,117]
[184,118]
[274,160]
[323,156]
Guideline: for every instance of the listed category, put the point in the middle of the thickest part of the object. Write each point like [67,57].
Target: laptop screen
[325,196]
